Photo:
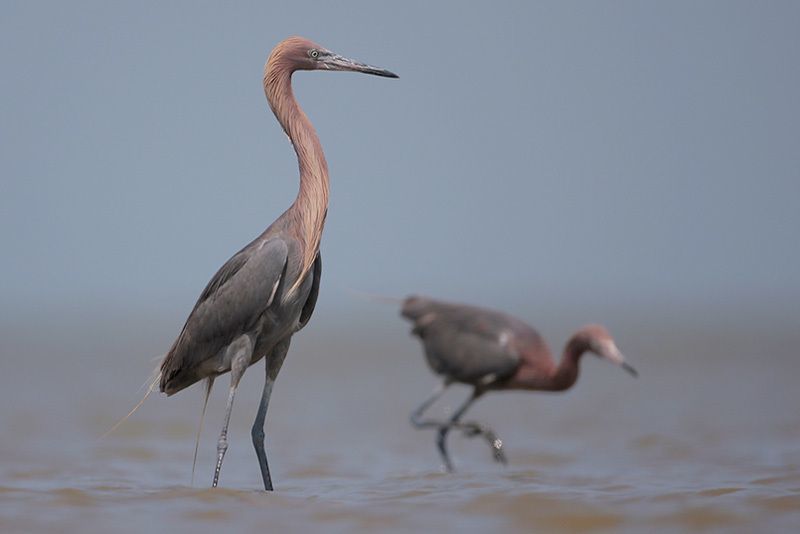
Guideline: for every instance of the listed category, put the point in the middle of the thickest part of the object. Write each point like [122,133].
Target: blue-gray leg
[416,415]
[469,429]
[273,362]
[209,385]
[240,351]
[441,437]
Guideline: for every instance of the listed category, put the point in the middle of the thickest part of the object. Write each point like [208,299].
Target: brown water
[707,439]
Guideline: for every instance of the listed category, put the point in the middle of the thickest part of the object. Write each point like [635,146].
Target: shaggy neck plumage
[311,205]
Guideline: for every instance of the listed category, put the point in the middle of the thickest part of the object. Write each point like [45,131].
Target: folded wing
[235,298]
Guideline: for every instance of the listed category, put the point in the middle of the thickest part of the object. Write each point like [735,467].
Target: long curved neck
[311,205]
[566,374]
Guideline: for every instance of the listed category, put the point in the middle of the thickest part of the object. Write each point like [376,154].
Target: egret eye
[313,53]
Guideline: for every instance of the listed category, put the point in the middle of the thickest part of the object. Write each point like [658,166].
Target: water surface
[708,438]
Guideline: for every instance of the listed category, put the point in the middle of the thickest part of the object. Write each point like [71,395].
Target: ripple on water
[35,473]
[696,518]
[781,480]
[717,492]
[665,446]
[782,503]
[319,467]
[143,454]
[544,511]
[541,459]
[209,515]
[70,497]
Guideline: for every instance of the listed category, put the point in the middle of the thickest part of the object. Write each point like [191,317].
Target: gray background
[619,155]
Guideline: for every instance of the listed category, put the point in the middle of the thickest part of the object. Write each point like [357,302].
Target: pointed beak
[628,367]
[613,354]
[337,62]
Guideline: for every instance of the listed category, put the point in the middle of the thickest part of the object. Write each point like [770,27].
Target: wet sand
[708,439]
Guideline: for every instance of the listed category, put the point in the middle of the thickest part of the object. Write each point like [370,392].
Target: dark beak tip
[336,62]
[629,368]
[382,73]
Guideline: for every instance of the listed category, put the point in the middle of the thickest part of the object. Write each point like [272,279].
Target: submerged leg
[470,429]
[209,384]
[241,351]
[275,358]
[441,438]
[416,415]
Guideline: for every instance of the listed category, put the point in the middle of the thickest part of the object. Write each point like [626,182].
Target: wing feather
[234,299]
[466,343]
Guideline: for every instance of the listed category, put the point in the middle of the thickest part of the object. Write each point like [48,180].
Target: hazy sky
[627,150]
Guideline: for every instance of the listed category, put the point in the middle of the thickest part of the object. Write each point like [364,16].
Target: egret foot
[472,429]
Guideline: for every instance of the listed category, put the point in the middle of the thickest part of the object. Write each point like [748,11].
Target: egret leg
[441,438]
[473,429]
[470,429]
[241,351]
[416,415]
[275,358]
[209,385]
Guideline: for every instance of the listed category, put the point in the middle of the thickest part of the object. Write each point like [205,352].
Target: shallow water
[707,439]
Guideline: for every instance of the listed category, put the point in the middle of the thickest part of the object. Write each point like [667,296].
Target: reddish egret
[267,291]
[492,351]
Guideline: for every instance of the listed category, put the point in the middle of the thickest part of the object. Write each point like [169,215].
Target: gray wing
[234,299]
[467,344]
[311,301]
